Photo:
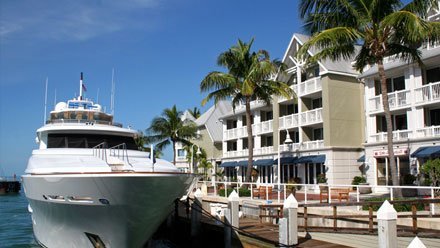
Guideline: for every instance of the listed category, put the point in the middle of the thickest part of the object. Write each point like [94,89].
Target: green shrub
[398,207]
[296,180]
[241,192]
[409,179]
[357,180]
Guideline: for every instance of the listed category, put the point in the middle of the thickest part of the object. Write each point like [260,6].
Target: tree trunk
[174,153]
[386,107]
[250,139]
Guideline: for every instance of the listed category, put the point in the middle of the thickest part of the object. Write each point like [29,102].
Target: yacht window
[64,140]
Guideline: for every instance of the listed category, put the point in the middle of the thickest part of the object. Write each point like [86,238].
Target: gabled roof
[339,66]
[210,119]
[187,116]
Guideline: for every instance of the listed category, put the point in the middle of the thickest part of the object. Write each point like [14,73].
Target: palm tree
[141,141]
[381,28]
[195,112]
[247,79]
[192,155]
[170,129]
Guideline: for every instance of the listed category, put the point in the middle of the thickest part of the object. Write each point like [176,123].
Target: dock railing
[310,193]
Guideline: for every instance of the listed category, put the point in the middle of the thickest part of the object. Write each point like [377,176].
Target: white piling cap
[416,243]
[291,202]
[198,193]
[386,212]
[233,196]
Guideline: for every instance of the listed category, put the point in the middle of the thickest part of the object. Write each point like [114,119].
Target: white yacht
[88,184]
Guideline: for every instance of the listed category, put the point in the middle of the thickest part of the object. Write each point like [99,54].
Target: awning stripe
[229,164]
[264,162]
[426,152]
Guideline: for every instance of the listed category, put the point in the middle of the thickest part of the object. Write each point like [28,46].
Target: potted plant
[322,181]
[360,180]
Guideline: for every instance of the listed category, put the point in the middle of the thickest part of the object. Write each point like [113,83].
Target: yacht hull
[121,209]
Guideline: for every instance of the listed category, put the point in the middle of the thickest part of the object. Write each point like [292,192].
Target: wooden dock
[253,232]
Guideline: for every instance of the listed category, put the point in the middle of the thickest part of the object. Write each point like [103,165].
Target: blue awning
[318,159]
[286,160]
[243,163]
[264,162]
[426,152]
[361,159]
[311,159]
[229,164]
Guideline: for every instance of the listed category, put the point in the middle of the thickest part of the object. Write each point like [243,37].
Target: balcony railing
[311,117]
[235,133]
[428,132]
[289,121]
[309,86]
[263,150]
[397,135]
[256,103]
[315,144]
[262,127]
[242,153]
[396,99]
[428,93]
[289,147]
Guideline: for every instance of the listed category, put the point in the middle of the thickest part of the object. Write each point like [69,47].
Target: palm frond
[421,7]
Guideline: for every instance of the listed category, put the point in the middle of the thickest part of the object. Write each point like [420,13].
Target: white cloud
[71,20]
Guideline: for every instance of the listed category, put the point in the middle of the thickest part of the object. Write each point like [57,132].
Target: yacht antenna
[112,98]
[97,96]
[45,102]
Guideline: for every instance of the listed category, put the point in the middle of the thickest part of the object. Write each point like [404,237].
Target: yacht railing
[100,151]
[87,122]
[120,152]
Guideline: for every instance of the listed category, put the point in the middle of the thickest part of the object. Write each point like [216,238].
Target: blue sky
[160,49]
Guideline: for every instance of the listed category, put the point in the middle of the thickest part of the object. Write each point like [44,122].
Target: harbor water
[15,222]
[16,229]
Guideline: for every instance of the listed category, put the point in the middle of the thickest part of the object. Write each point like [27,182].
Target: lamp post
[192,157]
[287,141]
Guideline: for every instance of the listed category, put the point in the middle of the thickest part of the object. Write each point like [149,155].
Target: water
[15,222]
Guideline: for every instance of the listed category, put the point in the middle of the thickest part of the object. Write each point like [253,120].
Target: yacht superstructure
[89,185]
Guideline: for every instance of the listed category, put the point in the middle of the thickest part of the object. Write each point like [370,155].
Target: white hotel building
[414,98]
[325,124]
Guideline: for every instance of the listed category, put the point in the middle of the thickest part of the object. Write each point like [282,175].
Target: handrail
[120,152]
[99,151]
[313,189]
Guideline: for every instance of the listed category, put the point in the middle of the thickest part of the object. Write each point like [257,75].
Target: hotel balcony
[289,121]
[429,93]
[231,154]
[243,153]
[398,135]
[290,147]
[263,150]
[311,117]
[235,133]
[428,132]
[254,104]
[262,127]
[308,87]
[305,88]
[396,99]
[315,144]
